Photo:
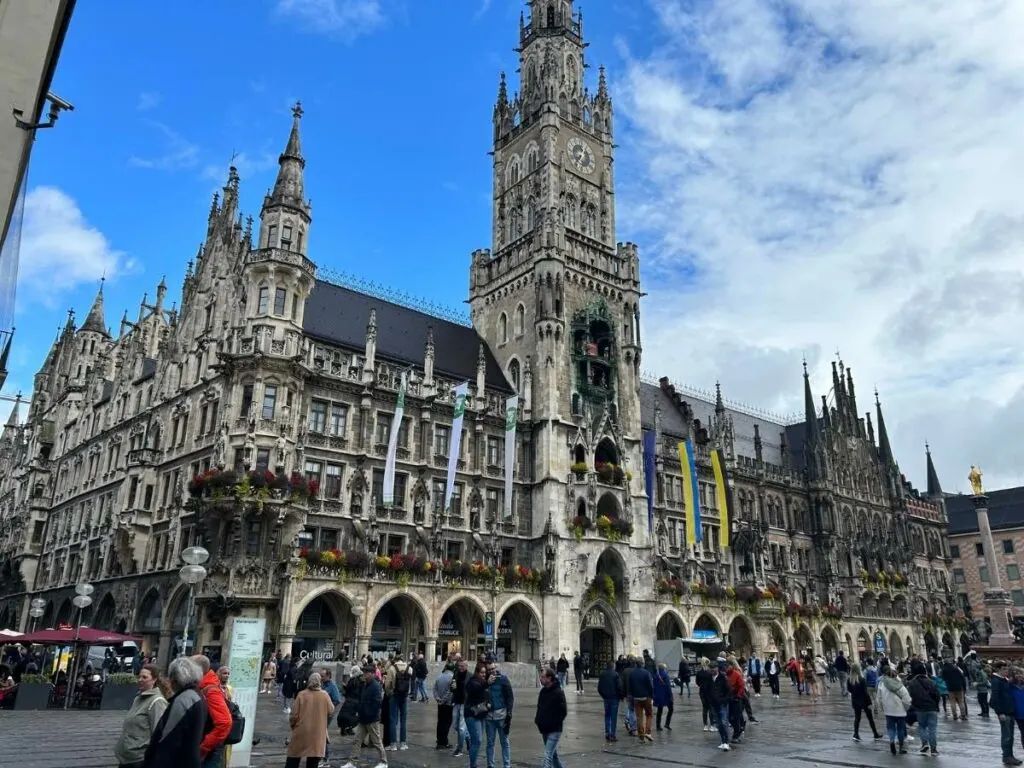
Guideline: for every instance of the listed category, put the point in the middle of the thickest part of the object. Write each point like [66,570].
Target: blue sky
[801,177]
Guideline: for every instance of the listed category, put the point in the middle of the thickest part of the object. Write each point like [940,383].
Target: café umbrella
[73,636]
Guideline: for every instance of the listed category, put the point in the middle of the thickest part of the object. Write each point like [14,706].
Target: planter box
[119,697]
[32,697]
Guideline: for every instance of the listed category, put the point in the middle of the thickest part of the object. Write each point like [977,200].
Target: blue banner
[650,446]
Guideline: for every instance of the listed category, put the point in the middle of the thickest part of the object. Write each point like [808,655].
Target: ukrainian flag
[723,497]
[691,495]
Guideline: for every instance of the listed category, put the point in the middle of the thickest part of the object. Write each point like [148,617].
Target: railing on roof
[402,299]
[708,396]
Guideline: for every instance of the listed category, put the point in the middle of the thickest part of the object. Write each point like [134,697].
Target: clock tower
[556,297]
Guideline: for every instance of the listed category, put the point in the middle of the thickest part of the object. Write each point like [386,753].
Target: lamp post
[358,609]
[191,573]
[81,601]
[36,609]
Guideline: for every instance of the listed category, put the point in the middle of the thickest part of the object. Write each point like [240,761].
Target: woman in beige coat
[308,721]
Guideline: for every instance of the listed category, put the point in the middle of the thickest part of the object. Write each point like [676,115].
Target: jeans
[755,680]
[420,690]
[684,684]
[773,683]
[630,714]
[1006,736]
[897,728]
[668,720]
[474,727]
[722,715]
[399,712]
[611,715]
[706,712]
[927,724]
[444,724]
[857,711]
[496,731]
[561,679]
[983,702]
[842,682]
[551,759]
[579,681]
[459,724]
[216,758]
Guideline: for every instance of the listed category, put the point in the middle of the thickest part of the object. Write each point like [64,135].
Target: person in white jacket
[895,700]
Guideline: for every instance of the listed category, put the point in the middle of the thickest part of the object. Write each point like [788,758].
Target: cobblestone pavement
[792,732]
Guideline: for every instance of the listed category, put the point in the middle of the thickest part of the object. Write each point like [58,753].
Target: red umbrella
[86,636]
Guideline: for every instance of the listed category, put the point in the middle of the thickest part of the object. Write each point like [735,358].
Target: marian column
[997,600]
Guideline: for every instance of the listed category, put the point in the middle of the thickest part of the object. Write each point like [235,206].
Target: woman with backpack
[857,687]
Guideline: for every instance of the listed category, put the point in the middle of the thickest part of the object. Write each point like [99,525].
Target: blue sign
[879,642]
[489,625]
[705,634]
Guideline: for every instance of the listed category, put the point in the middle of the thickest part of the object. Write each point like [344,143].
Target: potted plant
[119,691]
[34,693]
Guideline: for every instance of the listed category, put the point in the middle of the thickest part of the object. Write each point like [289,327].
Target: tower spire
[884,448]
[96,321]
[810,413]
[934,488]
[285,217]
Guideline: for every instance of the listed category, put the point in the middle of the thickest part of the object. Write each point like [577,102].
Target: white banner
[455,442]
[511,417]
[389,464]
[245,657]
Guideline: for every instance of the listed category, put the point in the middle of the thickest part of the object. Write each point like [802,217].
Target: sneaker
[381,765]
[457,753]
[757,695]
[892,747]
[349,764]
[391,747]
[724,747]
[924,749]
[856,738]
[403,746]
[935,753]
[879,737]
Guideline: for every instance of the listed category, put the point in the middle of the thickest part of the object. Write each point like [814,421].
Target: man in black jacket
[551,711]
[370,699]
[609,688]
[577,671]
[955,684]
[925,698]
[1001,702]
[719,697]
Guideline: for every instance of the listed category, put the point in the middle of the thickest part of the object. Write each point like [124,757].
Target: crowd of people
[188,718]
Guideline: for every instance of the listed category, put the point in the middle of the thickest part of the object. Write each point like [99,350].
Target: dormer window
[286,236]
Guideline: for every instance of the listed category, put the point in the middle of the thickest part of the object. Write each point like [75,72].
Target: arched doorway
[597,637]
[398,627]
[5,619]
[965,644]
[610,564]
[519,633]
[670,626]
[149,619]
[908,646]
[706,623]
[829,641]
[895,646]
[776,641]
[64,614]
[325,629]
[930,643]
[948,648]
[741,637]
[177,609]
[803,641]
[106,614]
[863,644]
[47,619]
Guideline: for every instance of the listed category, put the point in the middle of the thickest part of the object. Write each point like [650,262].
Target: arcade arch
[741,637]
[599,628]
[519,631]
[670,625]
[399,625]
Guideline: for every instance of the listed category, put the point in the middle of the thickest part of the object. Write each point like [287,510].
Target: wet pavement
[792,732]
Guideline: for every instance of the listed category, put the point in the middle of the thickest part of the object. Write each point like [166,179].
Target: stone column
[284,643]
[997,599]
[431,649]
[164,648]
[363,645]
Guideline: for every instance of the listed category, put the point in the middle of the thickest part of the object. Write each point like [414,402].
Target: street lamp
[192,573]
[81,601]
[358,609]
[36,609]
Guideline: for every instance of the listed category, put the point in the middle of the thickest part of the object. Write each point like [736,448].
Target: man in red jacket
[218,719]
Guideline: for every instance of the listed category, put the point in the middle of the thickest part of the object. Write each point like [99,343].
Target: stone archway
[47,619]
[803,641]
[398,626]
[106,614]
[670,625]
[829,641]
[611,564]
[776,640]
[895,646]
[65,613]
[947,644]
[931,643]
[707,623]
[519,633]
[325,629]
[741,636]
[908,645]
[600,627]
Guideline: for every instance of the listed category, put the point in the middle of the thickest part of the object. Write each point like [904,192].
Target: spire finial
[297,111]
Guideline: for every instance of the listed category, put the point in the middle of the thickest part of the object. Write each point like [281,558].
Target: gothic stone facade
[267,368]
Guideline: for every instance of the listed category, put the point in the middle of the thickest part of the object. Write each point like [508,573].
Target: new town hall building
[255,421]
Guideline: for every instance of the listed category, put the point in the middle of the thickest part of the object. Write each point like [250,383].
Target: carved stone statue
[220,448]
[975,479]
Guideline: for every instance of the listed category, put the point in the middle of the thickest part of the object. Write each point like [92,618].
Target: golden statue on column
[975,479]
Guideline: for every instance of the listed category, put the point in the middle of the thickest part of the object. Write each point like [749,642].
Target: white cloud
[60,250]
[347,19]
[148,100]
[177,152]
[815,175]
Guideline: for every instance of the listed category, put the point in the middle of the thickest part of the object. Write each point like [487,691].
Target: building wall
[968,562]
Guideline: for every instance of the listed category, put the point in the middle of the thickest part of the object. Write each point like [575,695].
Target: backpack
[237,723]
[403,682]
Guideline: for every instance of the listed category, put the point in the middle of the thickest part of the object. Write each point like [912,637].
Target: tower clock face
[581,155]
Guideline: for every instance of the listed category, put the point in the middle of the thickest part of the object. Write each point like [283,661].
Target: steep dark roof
[339,315]
[1005,510]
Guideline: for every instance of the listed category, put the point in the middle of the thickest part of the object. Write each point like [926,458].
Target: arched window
[513,374]
[571,215]
[519,324]
[551,15]
[502,328]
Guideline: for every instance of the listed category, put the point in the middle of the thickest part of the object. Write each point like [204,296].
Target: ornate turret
[934,487]
[96,321]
